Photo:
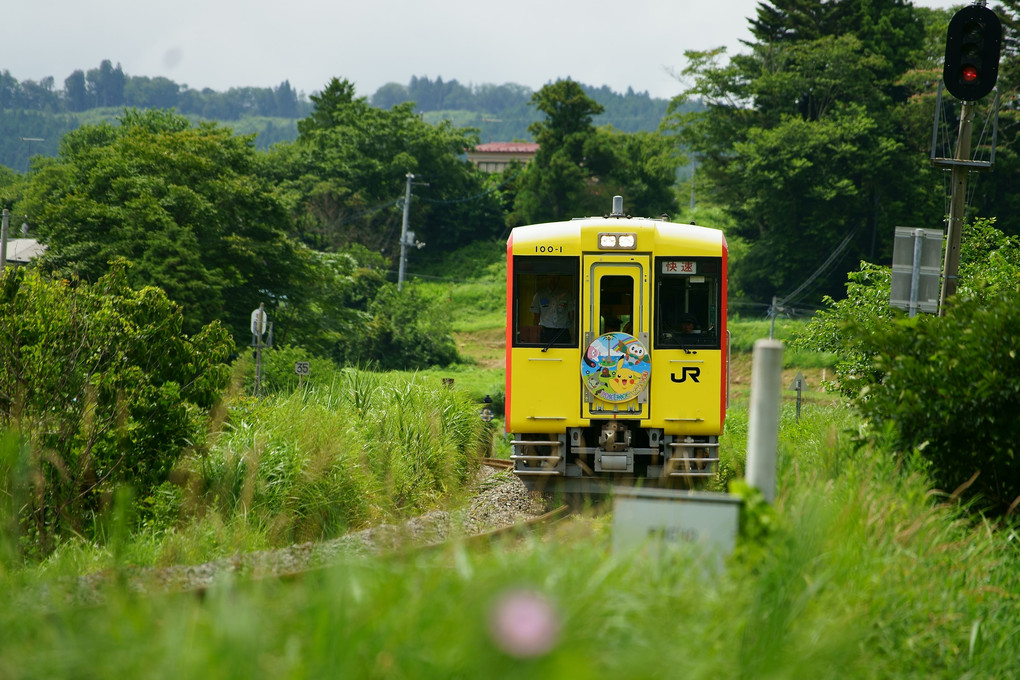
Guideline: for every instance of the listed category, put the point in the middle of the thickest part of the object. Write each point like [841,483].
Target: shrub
[104,389]
[947,387]
[950,389]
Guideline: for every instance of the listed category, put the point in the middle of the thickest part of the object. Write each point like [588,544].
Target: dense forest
[31,110]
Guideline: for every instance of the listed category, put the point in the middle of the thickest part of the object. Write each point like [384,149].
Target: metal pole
[3,239]
[403,232]
[958,202]
[763,418]
[260,328]
[915,270]
[772,324]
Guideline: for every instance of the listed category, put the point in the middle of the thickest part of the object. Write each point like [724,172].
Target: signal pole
[951,265]
[969,72]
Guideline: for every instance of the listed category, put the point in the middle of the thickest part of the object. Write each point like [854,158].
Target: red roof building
[496,156]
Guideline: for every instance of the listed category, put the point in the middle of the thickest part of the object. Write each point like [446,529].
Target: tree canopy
[344,178]
[185,204]
[805,140]
[578,168]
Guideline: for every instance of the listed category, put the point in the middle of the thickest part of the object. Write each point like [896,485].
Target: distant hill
[32,111]
[501,112]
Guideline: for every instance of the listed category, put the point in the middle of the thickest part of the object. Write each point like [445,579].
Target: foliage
[502,112]
[578,169]
[103,388]
[989,263]
[866,306]
[343,178]
[405,330]
[470,262]
[865,579]
[943,386]
[183,203]
[362,447]
[334,304]
[950,389]
[109,86]
[805,138]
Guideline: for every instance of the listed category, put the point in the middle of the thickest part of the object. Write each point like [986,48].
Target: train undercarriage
[590,460]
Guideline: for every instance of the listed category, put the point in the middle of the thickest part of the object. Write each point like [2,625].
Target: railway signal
[973,41]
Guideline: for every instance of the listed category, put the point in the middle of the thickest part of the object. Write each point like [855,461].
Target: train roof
[652,233]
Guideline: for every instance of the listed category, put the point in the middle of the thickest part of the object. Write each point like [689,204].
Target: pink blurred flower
[524,623]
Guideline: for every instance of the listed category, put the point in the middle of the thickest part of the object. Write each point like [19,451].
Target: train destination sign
[683,267]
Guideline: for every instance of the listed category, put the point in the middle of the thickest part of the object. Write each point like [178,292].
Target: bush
[946,388]
[950,389]
[104,389]
[407,330]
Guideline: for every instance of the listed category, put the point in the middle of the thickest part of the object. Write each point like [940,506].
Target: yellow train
[617,353]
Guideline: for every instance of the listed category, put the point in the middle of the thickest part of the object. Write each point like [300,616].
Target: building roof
[506,147]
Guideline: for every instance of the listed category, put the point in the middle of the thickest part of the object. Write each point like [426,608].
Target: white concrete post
[763,419]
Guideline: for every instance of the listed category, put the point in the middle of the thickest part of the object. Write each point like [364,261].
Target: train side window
[545,301]
[687,301]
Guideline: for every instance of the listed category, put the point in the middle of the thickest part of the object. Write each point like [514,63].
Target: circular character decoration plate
[615,367]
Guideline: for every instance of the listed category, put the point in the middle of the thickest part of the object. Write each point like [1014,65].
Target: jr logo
[692,371]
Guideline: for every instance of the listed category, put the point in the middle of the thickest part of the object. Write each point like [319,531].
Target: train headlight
[617,241]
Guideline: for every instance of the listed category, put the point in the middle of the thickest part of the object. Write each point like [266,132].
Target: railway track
[294,562]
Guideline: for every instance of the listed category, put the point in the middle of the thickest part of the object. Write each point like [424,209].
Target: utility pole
[403,232]
[957,205]
[407,237]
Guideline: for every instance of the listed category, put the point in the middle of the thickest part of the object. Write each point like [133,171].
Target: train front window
[687,302]
[616,304]
[545,296]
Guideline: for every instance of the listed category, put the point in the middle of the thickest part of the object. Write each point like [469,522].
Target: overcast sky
[237,43]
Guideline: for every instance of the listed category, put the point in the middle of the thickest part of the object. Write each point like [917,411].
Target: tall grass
[863,575]
[318,462]
[306,465]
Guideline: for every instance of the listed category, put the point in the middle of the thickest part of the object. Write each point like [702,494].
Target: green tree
[104,386]
[105,84]
[344,177]
[553,184]
[184,204]
[579,168]
[75,91]
[802,142]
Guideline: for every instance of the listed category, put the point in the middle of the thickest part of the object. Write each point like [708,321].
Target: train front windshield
[688,295]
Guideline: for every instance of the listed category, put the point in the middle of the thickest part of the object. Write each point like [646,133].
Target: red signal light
[973,44]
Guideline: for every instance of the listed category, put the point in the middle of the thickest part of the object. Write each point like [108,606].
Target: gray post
[915,270]
[3,238]
[763,420]
[403,233]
